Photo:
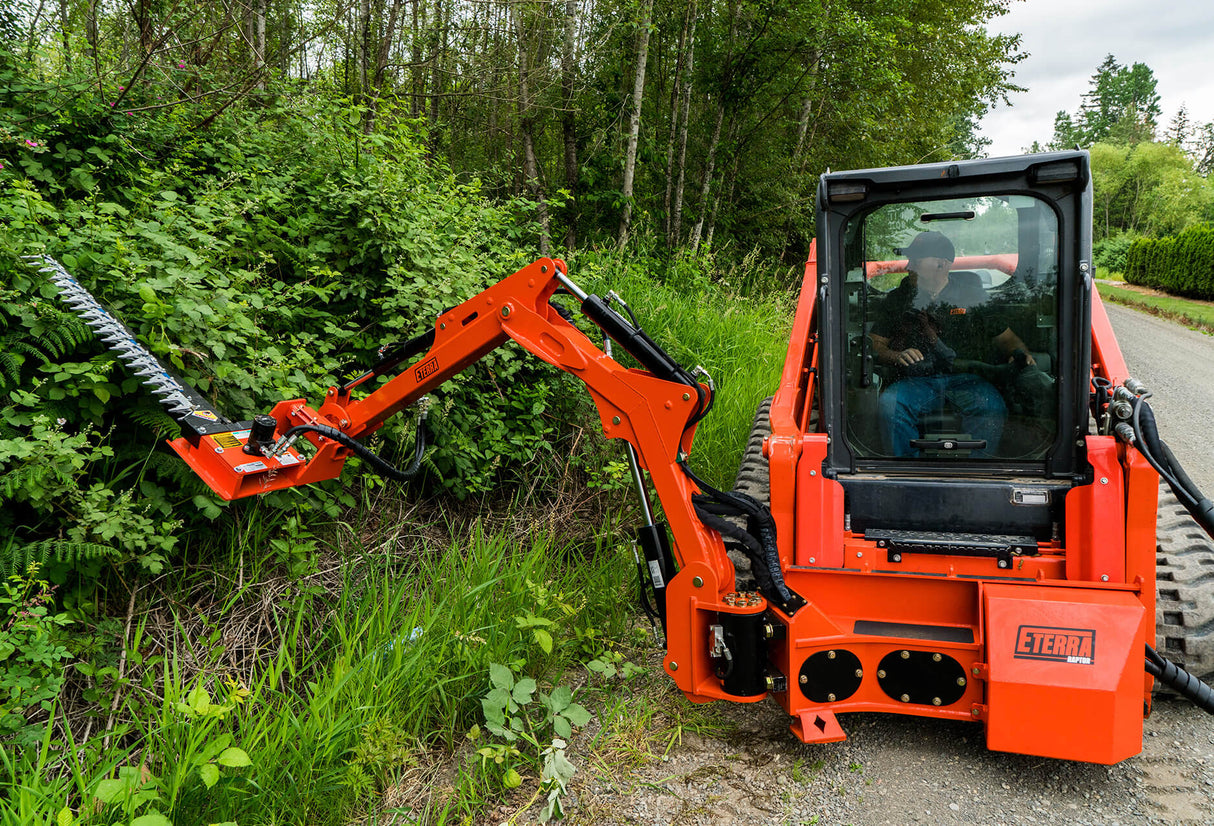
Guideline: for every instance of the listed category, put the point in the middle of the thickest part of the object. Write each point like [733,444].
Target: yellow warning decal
[226,440]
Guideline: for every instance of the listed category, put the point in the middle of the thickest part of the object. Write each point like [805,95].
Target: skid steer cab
[946,510]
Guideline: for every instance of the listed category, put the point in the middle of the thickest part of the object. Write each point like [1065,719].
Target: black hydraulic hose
[1160,457]
[761,548]
[1180,681]
[378,465]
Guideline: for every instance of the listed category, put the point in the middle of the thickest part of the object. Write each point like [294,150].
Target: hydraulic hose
[376,463]
[1160,457]
[759,542]
[1179,680]
[1145,435]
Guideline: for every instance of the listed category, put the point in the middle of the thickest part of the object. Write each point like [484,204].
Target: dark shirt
[950,325]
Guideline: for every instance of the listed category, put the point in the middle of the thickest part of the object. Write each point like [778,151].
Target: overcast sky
[1067,39]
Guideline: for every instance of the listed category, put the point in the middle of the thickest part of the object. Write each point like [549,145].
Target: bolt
[975,712]
[881,674]
[830,655]
[1104,577]
[897,557]
[544,268]
[905,698]
[686,397]
[1104,480]
[812,560]
[674,666]
[505,312]
[345,422]
[976,671]
[615,419]
[219,450]
[935,701]
[960,681]
[803,679]
[697,582]
[936,658]
[442,326]
[830,697]
[813,473]
[859,555]
[859,673]
[905,655]
[1003,563]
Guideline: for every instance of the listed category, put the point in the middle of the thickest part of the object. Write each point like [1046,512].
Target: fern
[10,367]
[46,335]
[151,416]
[17,558]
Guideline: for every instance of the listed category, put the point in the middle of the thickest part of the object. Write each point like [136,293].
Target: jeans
[905,402]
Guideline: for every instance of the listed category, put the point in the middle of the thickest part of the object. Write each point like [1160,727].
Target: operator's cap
[930,245]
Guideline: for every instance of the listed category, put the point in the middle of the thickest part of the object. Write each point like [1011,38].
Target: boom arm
[655,410]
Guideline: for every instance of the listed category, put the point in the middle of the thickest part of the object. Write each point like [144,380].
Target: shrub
[1182,264]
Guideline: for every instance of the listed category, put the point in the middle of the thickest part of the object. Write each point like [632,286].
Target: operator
[929,321]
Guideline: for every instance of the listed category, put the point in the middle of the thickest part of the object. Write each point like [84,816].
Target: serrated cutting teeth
[172,394]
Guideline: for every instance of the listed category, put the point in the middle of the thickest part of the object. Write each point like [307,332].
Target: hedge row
[1181,264]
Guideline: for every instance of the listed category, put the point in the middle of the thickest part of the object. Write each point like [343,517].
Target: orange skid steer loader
[947,509]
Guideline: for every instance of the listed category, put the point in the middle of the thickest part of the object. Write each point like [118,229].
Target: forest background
[269,192]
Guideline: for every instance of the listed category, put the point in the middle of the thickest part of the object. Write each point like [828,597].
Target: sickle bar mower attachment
[203,428]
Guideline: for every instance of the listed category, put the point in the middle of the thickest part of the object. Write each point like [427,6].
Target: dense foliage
[1182,264]
[705,122]
[261,259]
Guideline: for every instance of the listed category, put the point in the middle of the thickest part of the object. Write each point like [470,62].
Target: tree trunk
[259,42]
[676,221]
[143,19]
[675,88]
[438,48]
[90,37]
[416,78]
[634,126]
[526,119]
[568,120]
[730,180]
[706,181]
[63,27]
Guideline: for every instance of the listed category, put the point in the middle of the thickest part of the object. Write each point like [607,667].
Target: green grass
[360,688]
[1189,313]
[741,340]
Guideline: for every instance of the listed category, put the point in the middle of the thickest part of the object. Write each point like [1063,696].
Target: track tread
[1184,610]
[753,479]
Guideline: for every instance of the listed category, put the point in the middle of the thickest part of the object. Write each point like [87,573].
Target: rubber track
[1184,611]
[753,479]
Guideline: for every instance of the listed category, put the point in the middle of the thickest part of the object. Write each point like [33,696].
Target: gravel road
[906,770]
[1177,364]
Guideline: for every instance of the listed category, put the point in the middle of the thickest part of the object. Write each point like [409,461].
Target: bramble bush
[262,258]
[31,656]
